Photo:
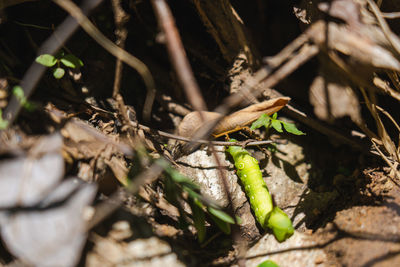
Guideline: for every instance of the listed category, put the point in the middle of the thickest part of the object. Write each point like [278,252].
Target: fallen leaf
[26,179]
[50,235]
[192,122]
[332,100]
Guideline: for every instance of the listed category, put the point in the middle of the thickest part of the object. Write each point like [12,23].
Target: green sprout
[267,215]
[3,122]
[68,60]
[20,96]
[268,263]
[272,121]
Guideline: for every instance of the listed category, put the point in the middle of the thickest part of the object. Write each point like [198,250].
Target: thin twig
[391,15]
[121,32]
[116,51]
[206,142]
[178,55]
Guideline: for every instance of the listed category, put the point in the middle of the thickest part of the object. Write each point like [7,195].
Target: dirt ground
[81,183]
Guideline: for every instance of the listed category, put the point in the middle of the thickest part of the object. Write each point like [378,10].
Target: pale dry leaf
[83,141]
[24,181]
[50,235]
[360,38]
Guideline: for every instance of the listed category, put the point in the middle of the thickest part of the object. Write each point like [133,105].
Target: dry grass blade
[389,116]
[385,28]
[384,137]
[386,88]
[388,162]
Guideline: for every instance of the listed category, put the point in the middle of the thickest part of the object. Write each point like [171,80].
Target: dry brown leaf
[192,122]
[332,100]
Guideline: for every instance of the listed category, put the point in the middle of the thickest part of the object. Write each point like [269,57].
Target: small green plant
[268,122]
[268,263]
[3,122]
[20,96]
[56,62]
[267,215]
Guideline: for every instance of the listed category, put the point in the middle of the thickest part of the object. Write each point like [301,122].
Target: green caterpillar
[256,190]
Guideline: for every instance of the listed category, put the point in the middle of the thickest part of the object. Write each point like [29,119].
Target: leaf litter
[358,73]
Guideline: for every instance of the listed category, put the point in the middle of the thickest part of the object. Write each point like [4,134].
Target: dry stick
[50,46]
[390,15]
[189,84]
[116,51]
[205,142]
[178,55]
[121,18]
[287,51]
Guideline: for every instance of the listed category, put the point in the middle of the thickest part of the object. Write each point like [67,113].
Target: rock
[201,168]
[140,252]
[289,253]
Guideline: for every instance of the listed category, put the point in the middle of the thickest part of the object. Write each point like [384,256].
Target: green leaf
[46,60]
[59,54]
[18,92]
[191,193]
[291,128]
[58,73]
[239,220]
[221,215]
[3,123]
[224,226]
[28,105]
[71,61]
[175,175]
[263,120]
[268,263]
[272,148]
[179,178]
[277,125]
[199,219]
[274,116]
